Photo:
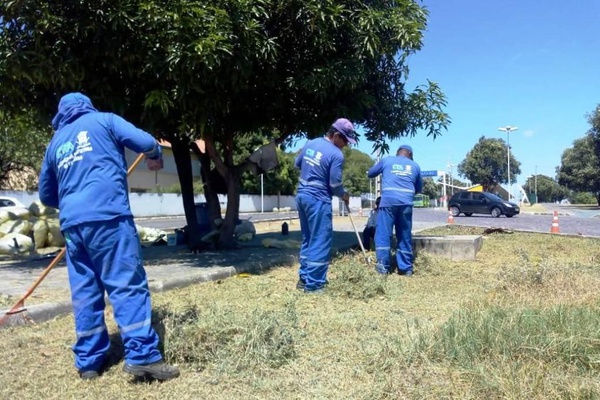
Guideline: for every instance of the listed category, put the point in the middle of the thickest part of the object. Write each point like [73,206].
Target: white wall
[166,204]
[142,178]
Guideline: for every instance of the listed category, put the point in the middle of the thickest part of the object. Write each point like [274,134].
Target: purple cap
[345,127]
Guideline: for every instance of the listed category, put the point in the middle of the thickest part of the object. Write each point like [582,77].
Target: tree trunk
[227,239]
[183,161]
[212,198]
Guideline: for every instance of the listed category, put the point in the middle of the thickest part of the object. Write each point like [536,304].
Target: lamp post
[536,198]
[535,185]
[508,130]
[451,178]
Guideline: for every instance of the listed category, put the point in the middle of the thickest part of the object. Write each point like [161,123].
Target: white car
[11,204]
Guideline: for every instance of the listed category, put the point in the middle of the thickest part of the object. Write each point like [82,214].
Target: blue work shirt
[401,179]
[84,172]
[321,164]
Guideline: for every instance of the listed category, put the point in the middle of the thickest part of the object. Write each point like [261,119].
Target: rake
[17,314]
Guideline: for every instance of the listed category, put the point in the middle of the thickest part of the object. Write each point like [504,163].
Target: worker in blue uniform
[401,180]
[84,174]
[320,162]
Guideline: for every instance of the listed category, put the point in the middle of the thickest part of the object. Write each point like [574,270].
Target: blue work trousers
[105,256]
[400,219]
[317,229]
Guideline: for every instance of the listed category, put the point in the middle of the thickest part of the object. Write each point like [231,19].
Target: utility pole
[536,198]
[451,178]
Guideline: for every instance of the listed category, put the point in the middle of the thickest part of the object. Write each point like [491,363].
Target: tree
[580,168]
[594,132]
[431,189]
[486,163]
[548,189]
[356,165]
[280,181]
[22,144]
[221,70]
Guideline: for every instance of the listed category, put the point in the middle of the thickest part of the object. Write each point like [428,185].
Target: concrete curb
[37,313]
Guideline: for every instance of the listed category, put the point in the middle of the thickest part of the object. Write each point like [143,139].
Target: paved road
[577,222]
[569,224]
[583,211]
[179,221]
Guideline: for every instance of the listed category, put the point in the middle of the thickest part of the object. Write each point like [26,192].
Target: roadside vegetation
[522,321]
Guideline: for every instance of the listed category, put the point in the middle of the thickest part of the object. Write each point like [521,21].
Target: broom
[16,315]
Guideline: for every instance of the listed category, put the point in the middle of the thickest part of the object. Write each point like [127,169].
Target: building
[144,180]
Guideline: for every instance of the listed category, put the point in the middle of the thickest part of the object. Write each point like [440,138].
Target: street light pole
[451,178]
[508,130]
[536,198]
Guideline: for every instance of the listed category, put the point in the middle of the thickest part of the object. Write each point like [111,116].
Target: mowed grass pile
[522,321]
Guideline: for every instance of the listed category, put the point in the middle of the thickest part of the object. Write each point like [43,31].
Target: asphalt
[167,267]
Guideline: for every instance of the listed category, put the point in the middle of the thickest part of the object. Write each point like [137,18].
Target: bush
[583,198]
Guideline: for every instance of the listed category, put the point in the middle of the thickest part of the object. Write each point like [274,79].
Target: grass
[520,322]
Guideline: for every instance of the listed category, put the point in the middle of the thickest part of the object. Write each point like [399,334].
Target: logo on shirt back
[313,158]
[69,153]
[402,170]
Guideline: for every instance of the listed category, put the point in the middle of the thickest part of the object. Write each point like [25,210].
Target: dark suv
[470,203]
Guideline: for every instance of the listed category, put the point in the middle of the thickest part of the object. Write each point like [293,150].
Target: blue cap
[405,147]
[345,127]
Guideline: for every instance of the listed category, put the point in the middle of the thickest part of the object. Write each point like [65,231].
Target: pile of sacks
[244,231]
[26,230]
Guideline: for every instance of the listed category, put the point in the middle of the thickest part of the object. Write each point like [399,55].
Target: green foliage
[431,189]
[583,198]
[356,164]
[220,69]
[23,141]
[548,189]
[594,132]
[281,180]
[579,170]
[486,163]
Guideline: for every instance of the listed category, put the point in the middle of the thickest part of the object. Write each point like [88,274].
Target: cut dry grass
[520,322]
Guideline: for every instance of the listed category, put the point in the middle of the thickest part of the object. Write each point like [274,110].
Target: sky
[531,64]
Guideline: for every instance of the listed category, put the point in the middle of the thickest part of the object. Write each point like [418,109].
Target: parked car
[470,203]
[11,204]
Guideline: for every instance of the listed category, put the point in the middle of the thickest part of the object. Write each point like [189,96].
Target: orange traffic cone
[554,228]
[450,217]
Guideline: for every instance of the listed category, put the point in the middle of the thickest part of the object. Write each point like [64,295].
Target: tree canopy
[486,163]
[579,169]
[356,165]
[548,189]
[22,144]
[220,70]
